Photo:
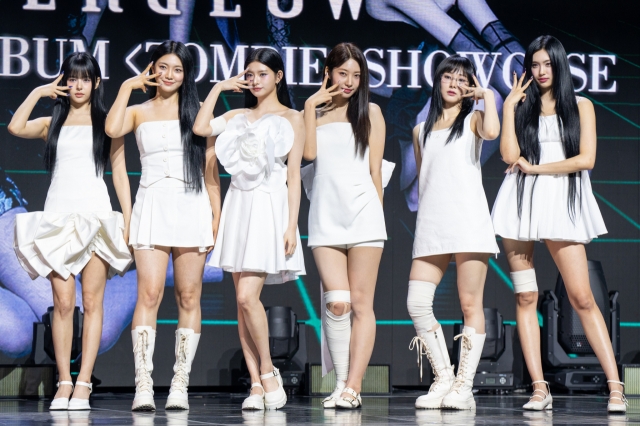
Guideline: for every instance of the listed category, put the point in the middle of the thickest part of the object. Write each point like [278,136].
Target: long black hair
[527,116]
[453,64]
[358,108]
[194,146]
[80,65]
[272,59]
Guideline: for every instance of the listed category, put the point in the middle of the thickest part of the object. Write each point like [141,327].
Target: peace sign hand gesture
[143,80]
[52,90]
[518,90]
[234,83]
[324,95]
[476,92]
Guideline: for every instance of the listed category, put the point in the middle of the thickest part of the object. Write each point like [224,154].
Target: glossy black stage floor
[224,409]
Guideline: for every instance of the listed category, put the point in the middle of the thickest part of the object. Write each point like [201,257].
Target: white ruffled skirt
[164,214]
[251,236]
[63,242]
[545,215]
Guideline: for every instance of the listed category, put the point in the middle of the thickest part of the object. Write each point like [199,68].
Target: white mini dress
[255,212]
[345,207]
[165,212]
[77,220]
[453,213]
[545,212]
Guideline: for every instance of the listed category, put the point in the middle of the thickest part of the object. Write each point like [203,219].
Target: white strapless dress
[255,213]
[545,213]
[77,219]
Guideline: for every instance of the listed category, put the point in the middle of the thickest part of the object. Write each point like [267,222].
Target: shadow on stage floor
[223,409]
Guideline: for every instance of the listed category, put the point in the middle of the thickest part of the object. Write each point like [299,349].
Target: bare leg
[152,272]
[363,263]
[94,280]
[520,258]
[571,260]
[64,303]
[255,319]
[430,269]
[251,356]
[472,273]
[188,266]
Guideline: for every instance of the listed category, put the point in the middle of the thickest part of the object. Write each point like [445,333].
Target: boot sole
[176,406]
[454,407]
[144,407]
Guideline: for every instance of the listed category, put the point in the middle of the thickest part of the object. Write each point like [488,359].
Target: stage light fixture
[565,349]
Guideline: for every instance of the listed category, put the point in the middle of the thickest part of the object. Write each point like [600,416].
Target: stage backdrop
[403,40]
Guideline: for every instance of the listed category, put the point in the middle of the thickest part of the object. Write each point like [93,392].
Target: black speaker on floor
[501,365]
[565,349]
[76,344]
[284,344]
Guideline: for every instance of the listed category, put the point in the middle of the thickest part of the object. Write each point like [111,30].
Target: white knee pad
[420,305]
[524,281]
[338,332]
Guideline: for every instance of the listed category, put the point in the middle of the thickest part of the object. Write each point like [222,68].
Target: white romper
[165,213]
[255,213]
[77,219]
[453,213]
[345,208]
[545,213]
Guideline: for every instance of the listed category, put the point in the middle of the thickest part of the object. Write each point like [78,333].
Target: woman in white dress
[549,140]
[258,242]
[176,211]
[453,219]
[77,233]
[345,140]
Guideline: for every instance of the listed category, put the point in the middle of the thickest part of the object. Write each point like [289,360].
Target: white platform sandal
[330,401]
[79,403]
[616,407]
[349,403]
[255,401]
[61,403]
[277,398]
[544,404]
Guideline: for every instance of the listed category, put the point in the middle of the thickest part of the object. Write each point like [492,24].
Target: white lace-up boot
[460,397]
[186,346]
[434,347]
[144,341]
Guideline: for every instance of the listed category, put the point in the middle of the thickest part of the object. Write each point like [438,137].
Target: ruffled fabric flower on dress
[254,153]
[64,242]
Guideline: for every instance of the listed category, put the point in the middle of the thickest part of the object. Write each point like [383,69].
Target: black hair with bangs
[453,64]
[80,65]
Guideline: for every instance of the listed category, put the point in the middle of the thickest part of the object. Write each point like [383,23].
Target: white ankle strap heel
[619,405]
[277,398]
[61,403]
[546,400]
[77,404]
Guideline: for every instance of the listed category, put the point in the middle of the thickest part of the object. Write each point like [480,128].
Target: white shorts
[375,243]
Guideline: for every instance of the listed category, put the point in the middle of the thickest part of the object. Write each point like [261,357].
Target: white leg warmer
[524,281]
[420,305]
[338,332]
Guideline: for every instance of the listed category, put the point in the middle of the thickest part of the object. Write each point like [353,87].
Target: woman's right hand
[234,83]
[143,80]
[52,90]
[518,90]
[324,95]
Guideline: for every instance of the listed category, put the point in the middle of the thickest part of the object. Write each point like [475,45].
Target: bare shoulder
[416,130]
[295,117]
[230,114]
[585,105]
[375,111]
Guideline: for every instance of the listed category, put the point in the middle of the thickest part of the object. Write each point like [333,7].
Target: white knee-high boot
[186,346]
[144,341]
[338,333]
[429,342]
[460,397]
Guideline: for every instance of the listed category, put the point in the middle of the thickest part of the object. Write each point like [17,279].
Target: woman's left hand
[290,242]
[476,92]
[523,165]
[215,224]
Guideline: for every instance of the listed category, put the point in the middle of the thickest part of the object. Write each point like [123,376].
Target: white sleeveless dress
[165,213]
[453,214]
[545,213]
[345,208]
[255,213]
[77,219]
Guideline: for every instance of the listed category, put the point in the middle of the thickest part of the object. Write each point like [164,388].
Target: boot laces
[180,379]
[143,378]
[464,359]
[422,348]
